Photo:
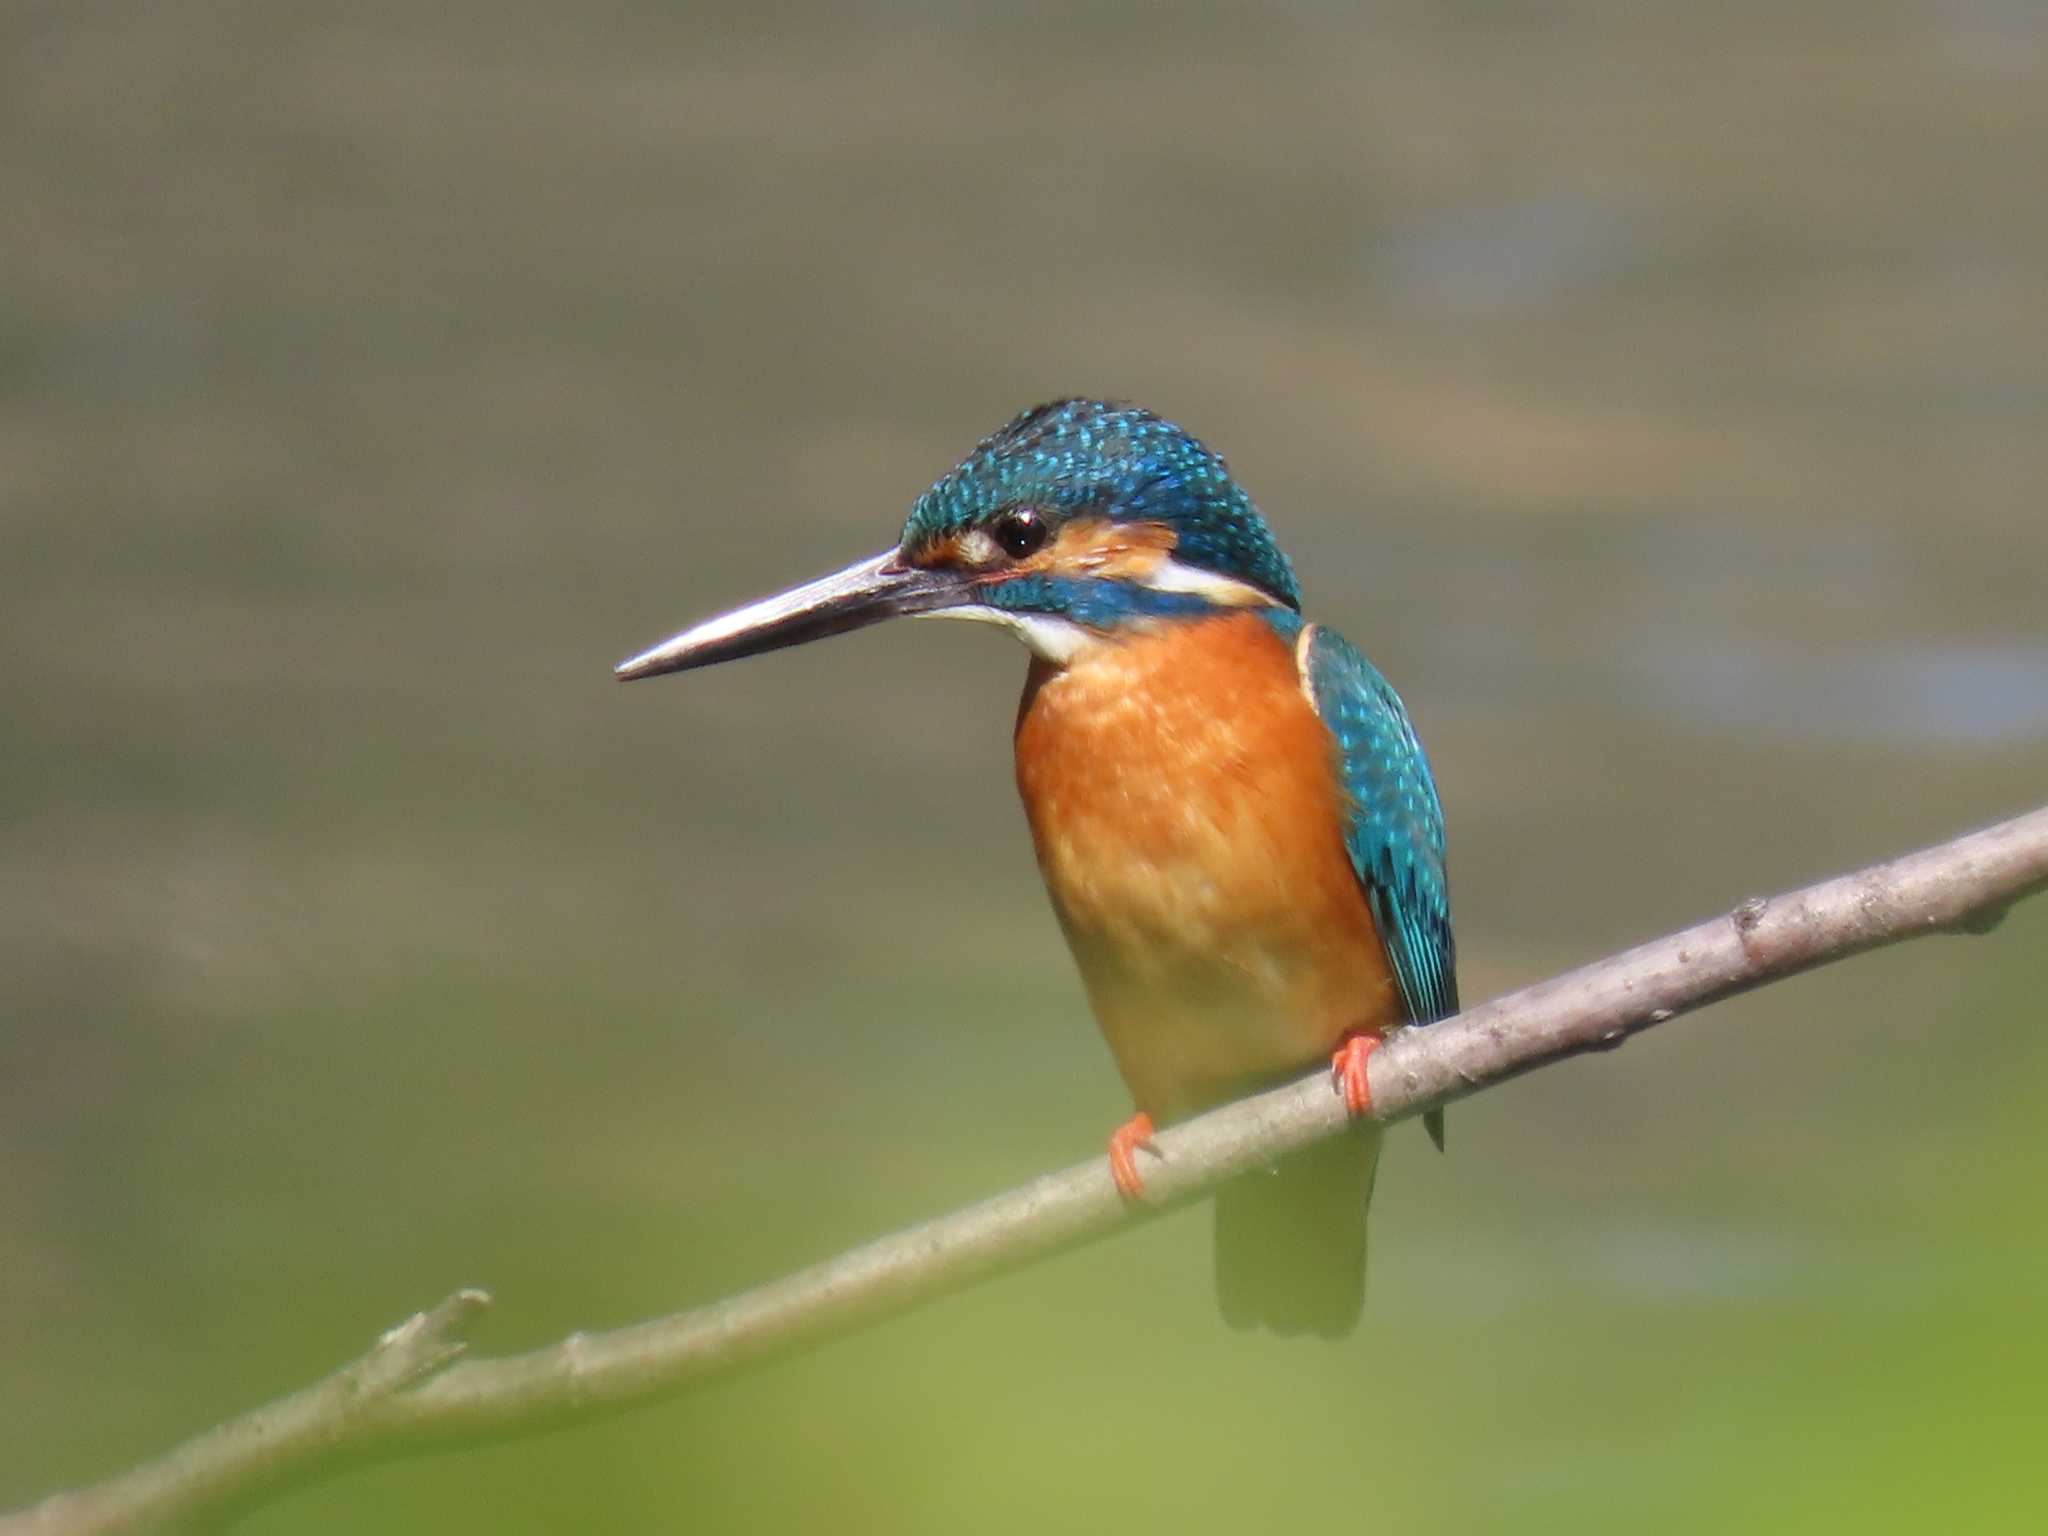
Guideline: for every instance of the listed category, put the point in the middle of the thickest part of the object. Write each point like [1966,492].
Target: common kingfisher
[1232,813]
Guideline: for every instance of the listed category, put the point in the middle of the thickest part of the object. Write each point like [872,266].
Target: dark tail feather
[1433,1122]
[1290,1243]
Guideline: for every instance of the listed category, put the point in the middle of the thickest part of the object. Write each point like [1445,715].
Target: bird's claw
[1347,1072]
[1124,1143]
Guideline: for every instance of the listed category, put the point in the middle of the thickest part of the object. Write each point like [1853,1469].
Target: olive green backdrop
[1659,399]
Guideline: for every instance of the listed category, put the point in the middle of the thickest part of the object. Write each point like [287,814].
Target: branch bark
[413,1391]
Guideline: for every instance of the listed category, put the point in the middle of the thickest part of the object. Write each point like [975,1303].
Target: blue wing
[1395,832]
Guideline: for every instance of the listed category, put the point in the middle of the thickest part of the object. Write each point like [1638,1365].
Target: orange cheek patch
[1106,550]
[1086,547]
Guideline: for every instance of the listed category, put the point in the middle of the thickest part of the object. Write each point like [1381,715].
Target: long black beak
[877,588]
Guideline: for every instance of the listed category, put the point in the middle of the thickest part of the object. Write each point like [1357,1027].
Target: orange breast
[1185,806]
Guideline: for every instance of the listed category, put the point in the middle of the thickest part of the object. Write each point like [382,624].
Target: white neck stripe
[1176,576]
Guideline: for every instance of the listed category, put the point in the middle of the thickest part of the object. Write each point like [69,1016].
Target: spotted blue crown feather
[1082,458]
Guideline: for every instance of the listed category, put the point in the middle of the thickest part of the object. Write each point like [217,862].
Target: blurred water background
[1657,393]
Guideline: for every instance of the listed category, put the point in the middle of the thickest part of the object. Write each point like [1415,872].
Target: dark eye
[1021,531]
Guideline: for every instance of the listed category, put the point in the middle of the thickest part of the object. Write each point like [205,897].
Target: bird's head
[1077,520]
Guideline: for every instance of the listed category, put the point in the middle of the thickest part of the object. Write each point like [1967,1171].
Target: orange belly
[1184,801]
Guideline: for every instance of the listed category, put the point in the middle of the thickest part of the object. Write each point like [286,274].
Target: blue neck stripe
[1105,603]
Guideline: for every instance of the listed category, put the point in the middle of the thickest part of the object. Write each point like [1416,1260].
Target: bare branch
[234,1465]
[411,1393]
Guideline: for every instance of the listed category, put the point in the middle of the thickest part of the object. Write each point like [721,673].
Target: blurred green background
[1660,400]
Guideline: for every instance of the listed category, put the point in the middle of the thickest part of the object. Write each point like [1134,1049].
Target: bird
[1232,813]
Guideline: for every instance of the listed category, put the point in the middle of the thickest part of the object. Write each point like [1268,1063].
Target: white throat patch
[1046,636]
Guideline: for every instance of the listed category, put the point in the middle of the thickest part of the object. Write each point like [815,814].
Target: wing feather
[1395,829]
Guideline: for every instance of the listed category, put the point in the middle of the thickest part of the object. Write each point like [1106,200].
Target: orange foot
[1124,1142]
[1347,1071]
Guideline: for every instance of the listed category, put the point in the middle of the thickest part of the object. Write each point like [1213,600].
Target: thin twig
[410,1392]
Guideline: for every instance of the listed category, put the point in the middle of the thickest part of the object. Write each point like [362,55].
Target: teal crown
[1094,458]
